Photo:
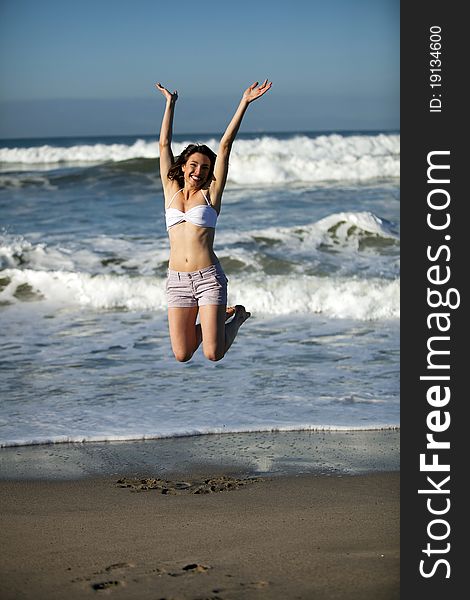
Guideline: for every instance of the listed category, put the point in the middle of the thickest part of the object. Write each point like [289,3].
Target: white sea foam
[346,228]
[92,257]
[274,294]
[304,159]
[345,222]
[16,250]
[108,273]
[100,291]
[83,153]
[104,254]
[264,160]
[364,299]
[82,438]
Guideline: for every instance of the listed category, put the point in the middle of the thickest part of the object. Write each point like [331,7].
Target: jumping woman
[193,185]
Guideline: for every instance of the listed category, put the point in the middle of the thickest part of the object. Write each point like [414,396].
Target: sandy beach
[218,533]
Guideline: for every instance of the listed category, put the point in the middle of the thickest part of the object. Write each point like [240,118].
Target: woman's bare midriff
[191,247]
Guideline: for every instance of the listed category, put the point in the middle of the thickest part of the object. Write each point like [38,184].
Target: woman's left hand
[253,92]
[171,97]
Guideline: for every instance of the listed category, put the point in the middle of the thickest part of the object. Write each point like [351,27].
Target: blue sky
[88,67]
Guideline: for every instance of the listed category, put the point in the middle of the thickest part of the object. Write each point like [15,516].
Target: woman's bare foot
[229,312]
[241,315]
[231,328]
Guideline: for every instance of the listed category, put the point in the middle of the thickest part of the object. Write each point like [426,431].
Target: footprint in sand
[112,583]
[190,568]
[195,486]
[120,566]
[106,585]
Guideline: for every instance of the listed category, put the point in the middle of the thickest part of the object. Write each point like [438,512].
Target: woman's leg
[217,335]
[185,335]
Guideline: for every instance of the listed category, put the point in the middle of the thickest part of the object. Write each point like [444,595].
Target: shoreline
[254,453]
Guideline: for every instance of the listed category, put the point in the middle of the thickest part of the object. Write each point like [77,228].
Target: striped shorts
[196,288]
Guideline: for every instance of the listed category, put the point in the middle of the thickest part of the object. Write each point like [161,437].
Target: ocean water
[309,237]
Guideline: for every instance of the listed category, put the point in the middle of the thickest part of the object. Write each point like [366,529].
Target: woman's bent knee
[213,355]
[182,356]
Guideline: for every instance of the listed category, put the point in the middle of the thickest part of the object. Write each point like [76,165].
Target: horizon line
[207,134]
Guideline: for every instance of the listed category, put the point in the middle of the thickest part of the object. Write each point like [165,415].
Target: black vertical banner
[434,232]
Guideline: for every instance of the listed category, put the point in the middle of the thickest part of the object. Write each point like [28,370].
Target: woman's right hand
[253,92]
[168,95]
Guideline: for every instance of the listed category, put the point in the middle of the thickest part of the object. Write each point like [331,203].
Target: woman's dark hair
[176,172]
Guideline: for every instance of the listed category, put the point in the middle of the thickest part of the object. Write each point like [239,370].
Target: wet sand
[203,533]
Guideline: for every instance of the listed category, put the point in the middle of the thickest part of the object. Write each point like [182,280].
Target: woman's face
[196,170]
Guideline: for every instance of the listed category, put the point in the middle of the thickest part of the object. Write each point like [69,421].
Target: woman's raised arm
[221,164]
[166,132]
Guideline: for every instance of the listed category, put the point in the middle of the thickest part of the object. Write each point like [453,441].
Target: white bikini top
[202,215]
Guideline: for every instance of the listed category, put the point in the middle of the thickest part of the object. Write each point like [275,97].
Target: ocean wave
[265,160]
[96,255]
[338,297]
[79,154]
[344,231]
[90,438]
[25,180]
